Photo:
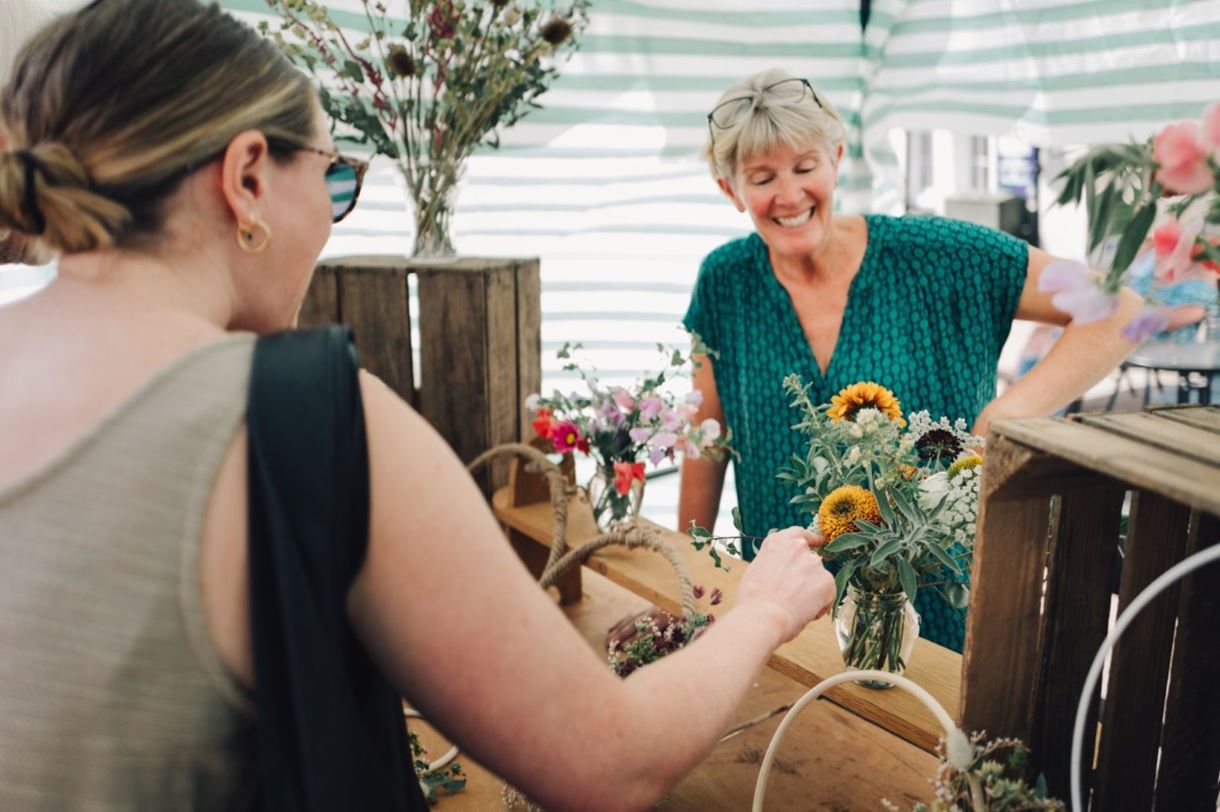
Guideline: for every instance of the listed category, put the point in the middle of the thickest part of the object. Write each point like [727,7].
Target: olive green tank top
[112,696]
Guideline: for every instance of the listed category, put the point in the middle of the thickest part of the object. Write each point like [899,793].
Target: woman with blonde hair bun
[922,305]
[214,590]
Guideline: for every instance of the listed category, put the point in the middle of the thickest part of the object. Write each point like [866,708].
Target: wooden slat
[1207,418]
[1153,430]
[811,657]
[1190,754]
[374,301]
[529,340]
[1188,481]
[321,304]
[1082,557]
[504,416]
[1139,668]
[829,759]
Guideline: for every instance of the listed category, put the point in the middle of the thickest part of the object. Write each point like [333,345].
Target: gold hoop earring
[247,238]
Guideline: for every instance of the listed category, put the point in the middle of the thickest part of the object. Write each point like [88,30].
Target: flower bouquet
[896,502]
[429,81]
[1176,175]
[621,428]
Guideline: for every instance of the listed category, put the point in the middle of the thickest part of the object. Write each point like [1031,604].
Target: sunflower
[862,396]
[842,507]
[969,461]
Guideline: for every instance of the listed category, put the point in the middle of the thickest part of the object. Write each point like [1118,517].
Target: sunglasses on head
[344,177]
[786,92]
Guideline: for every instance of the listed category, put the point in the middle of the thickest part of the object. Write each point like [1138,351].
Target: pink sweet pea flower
[640,434]
[670,420]
[1148,322]
[1180,152]
[687,410]
[1211,130]
[622,398]
[657,454]
[695,396]
[664,439]
[565,437]
[710,429]
[1076,293]
[650,407]
[1172,264]
[685,446]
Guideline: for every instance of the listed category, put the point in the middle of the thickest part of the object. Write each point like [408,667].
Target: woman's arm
[458,625]
[702,479]
[1082,356]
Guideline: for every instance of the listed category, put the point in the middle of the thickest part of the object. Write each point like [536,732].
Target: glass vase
[610,506]
[432,208]
[876,631]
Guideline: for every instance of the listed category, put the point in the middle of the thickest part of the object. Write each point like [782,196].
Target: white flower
[511,15]
[531,403]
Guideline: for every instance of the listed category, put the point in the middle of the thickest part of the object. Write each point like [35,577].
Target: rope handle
[627,534]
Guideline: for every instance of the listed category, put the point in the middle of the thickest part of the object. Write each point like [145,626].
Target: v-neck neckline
[853,293]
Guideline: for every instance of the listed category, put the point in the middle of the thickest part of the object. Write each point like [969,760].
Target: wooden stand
[480,340]
[1043,580]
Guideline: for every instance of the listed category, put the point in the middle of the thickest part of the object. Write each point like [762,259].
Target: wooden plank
[374,301]
[810,658]
[1083,554]
[453,384]
[1139,668]
[1190,482]
[1190,746]
[1203,417]
[1169,435]
[1000,666]
[829,759]
[321,303]
[529,340]
[503,416]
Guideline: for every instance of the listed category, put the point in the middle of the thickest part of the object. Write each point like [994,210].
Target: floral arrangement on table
[446,779]
[621,428]
[649,635]
[430,82]
[1123,187]
[896,500]
[997,775]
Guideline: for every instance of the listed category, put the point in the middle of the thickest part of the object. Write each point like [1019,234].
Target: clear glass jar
[610,506]
[876,631]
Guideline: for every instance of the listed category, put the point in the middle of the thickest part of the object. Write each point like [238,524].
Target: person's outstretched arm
[1082,356]
[702,479]
[458,625]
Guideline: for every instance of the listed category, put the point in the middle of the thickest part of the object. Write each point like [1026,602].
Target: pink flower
[695,396]
[686,411]
[1180,152]
[1148,322]
[1076,292]
[624,473]
[1179,239]
[710,429]
[622,398]
[685,446]
[1211,130]
[670,420]
[664,439]
[650,407]
[640,434]
[566,436]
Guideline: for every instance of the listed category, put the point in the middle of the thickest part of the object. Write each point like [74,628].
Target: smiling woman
[920,305]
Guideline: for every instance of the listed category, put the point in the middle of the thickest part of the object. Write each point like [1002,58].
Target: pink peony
[1182,157]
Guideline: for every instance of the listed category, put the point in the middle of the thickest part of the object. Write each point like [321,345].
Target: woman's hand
[790,579]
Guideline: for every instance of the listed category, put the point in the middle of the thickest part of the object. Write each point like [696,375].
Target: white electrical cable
[958,749]
[444,760]
[1188,564]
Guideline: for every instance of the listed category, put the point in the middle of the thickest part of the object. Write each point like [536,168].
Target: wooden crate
[480,340]
[1047,570]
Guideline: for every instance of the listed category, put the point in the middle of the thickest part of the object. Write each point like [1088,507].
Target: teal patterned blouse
[927,315]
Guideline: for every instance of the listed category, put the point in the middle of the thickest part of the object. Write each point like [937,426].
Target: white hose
[444,760]
[1145,597]
[958,750]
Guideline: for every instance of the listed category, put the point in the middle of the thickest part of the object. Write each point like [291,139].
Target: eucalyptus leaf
[907,577]
[847,541]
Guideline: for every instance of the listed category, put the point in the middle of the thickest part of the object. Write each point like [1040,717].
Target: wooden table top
[830,759]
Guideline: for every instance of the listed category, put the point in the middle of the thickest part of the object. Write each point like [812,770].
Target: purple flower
[697,591]
[1076,292]
[640,435]
[664,439]
[650,407]
[716,597]
[695,397]
[670,419]
[1148,322]
[656,455]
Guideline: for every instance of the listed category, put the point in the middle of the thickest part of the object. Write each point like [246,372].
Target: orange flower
[542,422]
[842,507]
[862,396]
[624,473]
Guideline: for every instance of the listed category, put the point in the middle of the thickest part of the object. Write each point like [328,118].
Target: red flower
[565,437]
[624,473]
[542,422]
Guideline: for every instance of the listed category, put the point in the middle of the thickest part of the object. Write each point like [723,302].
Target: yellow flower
[840,510]
[863,395]
[968,461]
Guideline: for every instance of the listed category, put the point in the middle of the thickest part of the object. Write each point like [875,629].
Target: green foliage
[997,775]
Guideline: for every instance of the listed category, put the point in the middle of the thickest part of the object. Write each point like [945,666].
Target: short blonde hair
[762,127]
[110,107]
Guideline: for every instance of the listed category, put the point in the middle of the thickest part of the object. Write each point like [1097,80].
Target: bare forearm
[1082,356]
[699,492]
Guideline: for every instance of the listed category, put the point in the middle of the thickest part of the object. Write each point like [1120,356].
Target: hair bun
[46,192]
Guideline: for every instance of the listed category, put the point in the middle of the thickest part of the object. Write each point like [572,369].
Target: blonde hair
[111,107]
[763,126]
